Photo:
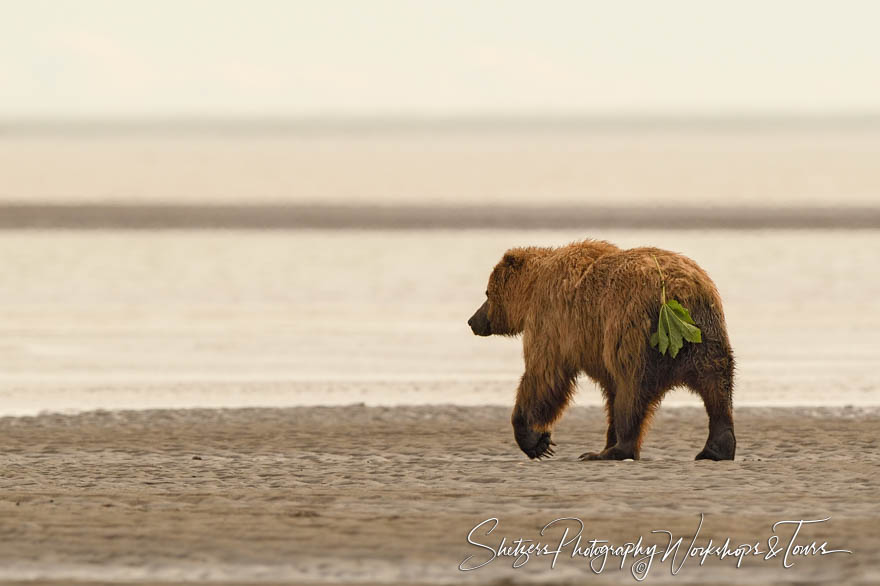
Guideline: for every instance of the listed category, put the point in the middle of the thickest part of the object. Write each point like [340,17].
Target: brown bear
[591,307]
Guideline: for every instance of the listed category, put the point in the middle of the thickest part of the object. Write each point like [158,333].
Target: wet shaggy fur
[590,308]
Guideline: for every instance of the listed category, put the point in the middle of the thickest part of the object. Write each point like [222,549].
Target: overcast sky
[262,58]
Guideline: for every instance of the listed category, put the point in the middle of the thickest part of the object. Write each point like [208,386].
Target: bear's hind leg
[718,397]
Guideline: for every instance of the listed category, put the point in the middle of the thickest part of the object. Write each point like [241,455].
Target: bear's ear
[513,259]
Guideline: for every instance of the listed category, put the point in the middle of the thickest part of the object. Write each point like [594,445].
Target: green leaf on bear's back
[680,311]
[674,327]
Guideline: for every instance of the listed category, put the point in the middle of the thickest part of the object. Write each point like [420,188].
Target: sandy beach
[366,495]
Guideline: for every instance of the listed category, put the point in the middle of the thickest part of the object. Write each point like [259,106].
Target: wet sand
[388,495]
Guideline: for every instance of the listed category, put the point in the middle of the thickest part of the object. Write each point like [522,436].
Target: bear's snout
[479,322]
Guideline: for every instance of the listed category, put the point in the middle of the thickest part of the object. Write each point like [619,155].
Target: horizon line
[48,216]
[23,125]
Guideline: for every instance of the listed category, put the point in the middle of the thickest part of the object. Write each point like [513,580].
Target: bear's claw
[543,449]
[612,453]
[720,446]
[536,444]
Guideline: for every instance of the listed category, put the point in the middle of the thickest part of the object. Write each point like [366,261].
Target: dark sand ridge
[407,216]
[388,495]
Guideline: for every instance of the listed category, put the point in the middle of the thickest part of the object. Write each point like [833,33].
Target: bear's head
[503,313]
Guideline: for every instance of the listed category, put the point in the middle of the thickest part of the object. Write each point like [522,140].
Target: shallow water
[212,319]
[539,166]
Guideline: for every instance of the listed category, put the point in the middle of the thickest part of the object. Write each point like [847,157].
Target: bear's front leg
[539,402]
[628,413]
[607,453]
[611,434]
[535,444]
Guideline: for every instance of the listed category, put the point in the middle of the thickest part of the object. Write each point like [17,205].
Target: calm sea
[207,318]
[126,319]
